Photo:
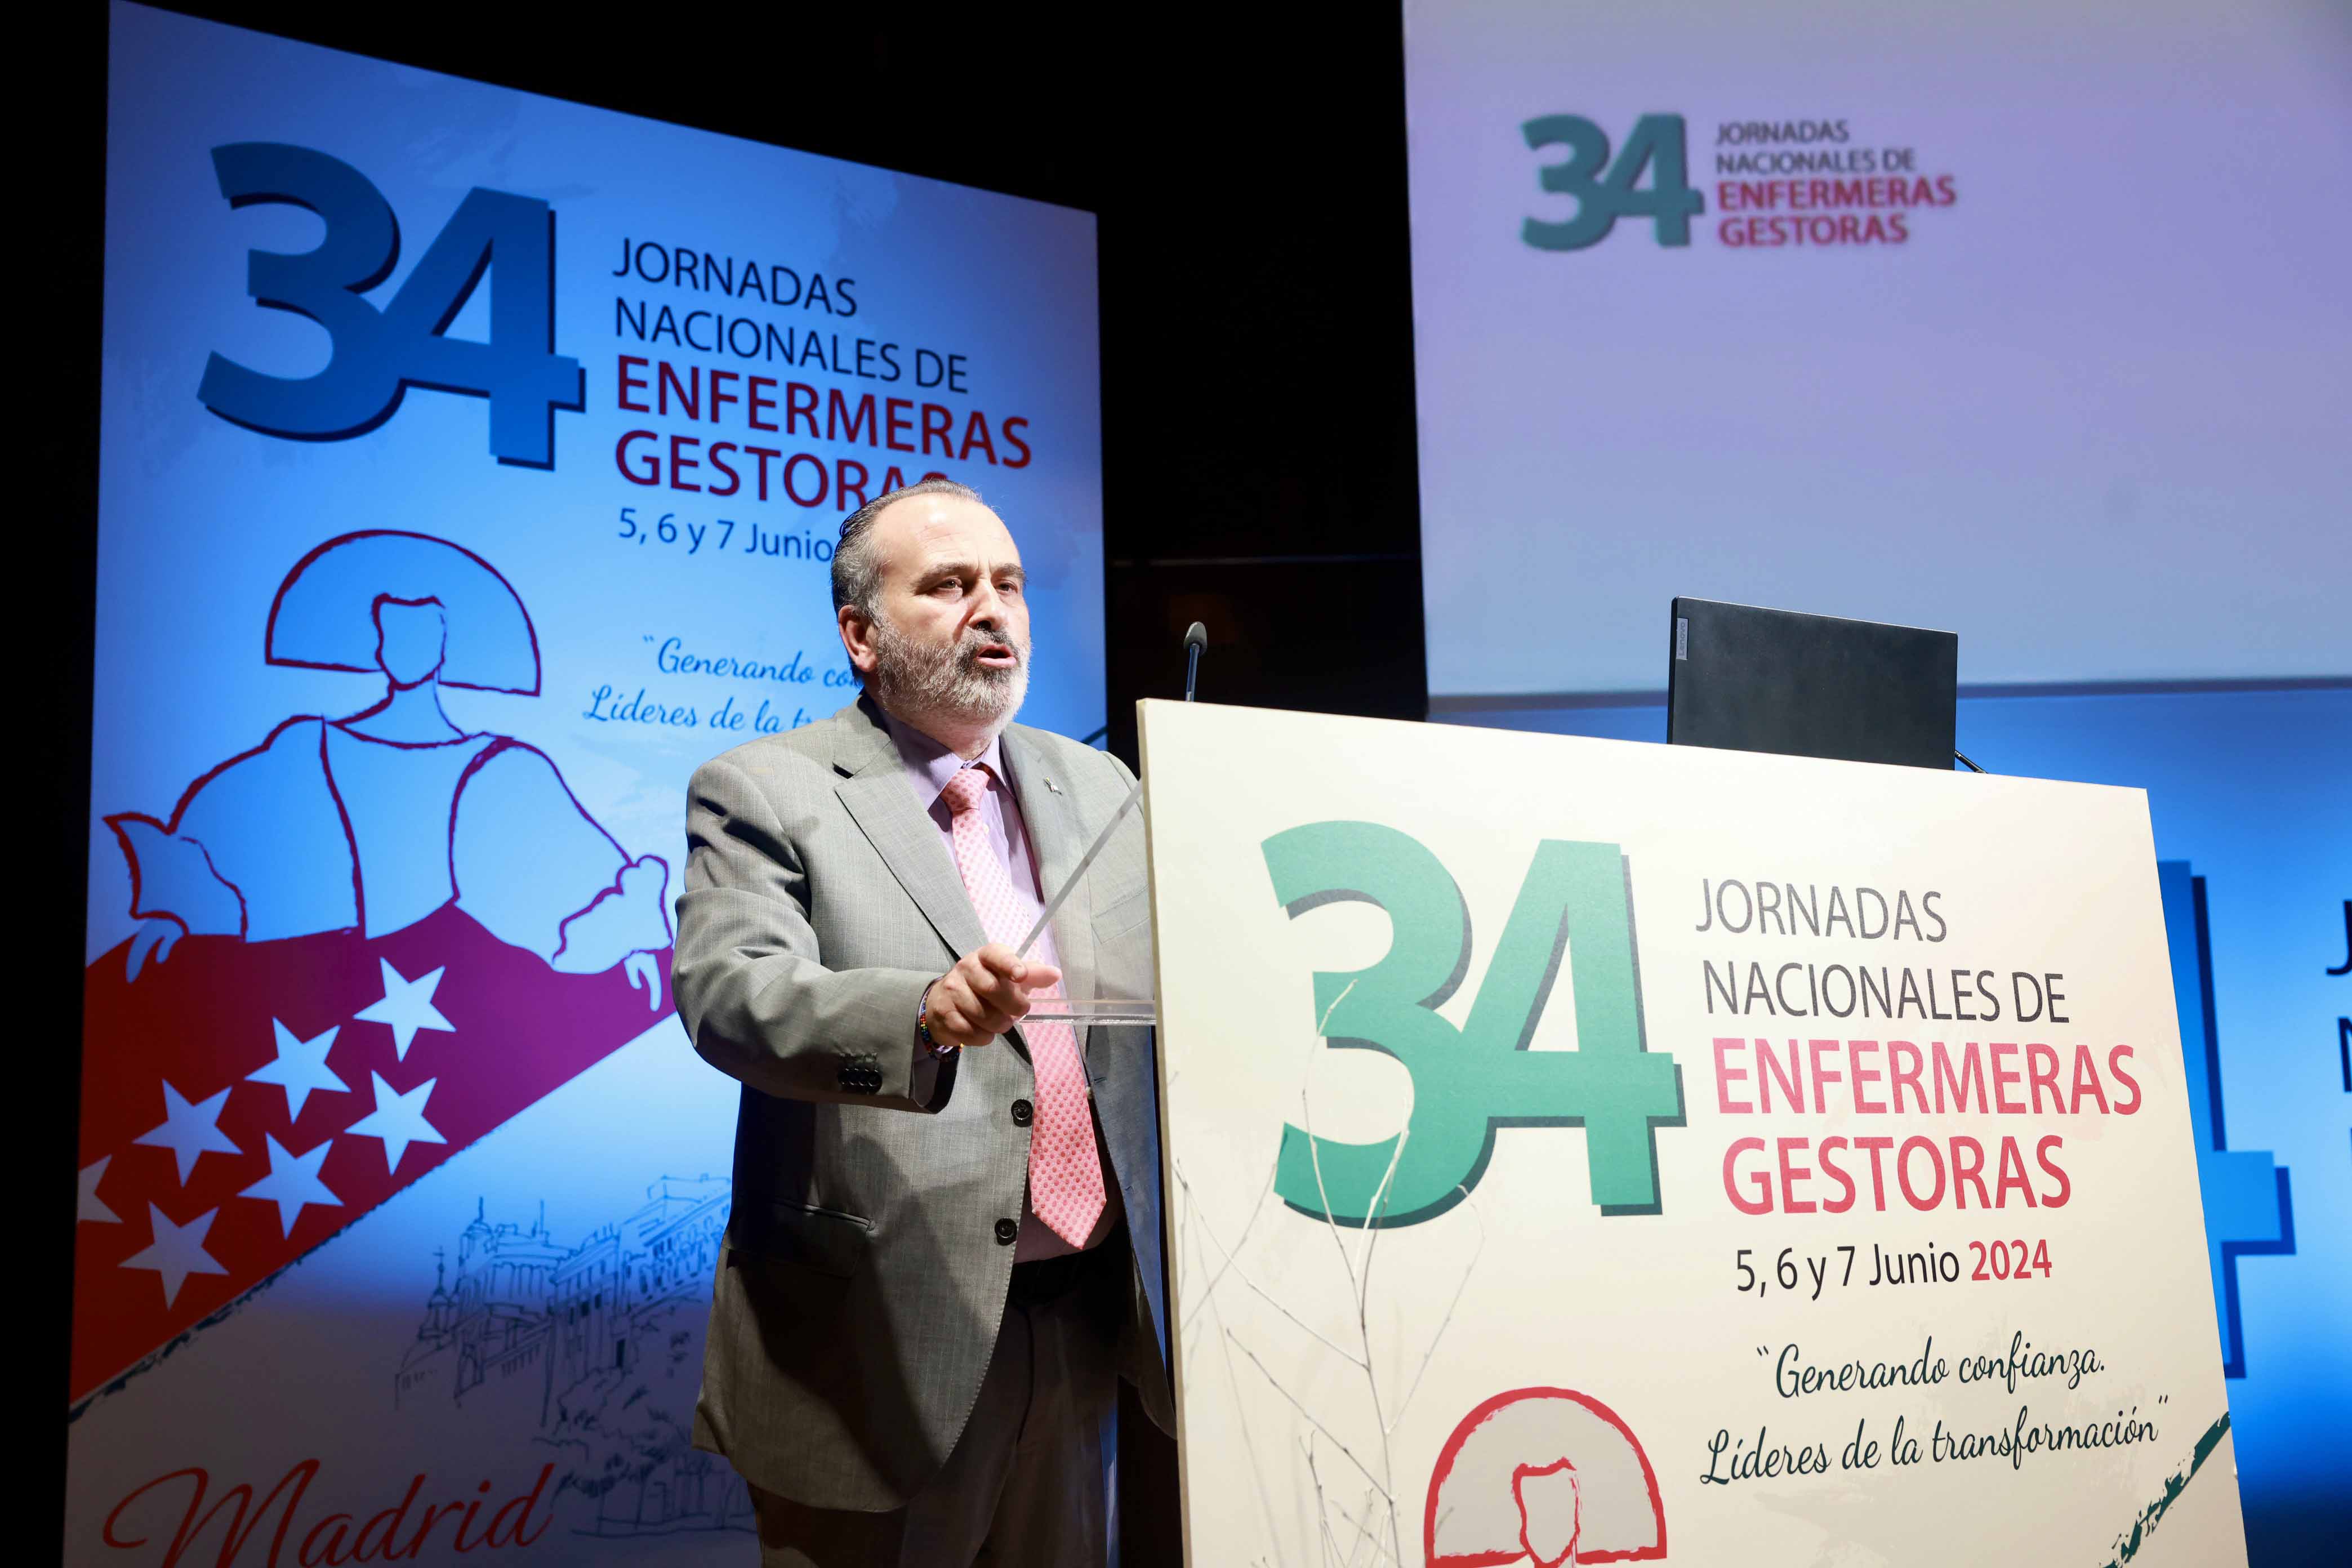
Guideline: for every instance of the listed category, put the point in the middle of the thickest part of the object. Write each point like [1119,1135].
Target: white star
[189,1132]
[293,1181]
[408,1006]
[301,1067]
[92,1207]
[398,1119]
[176,1252]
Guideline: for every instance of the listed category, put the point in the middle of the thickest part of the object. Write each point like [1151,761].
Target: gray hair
[856,573]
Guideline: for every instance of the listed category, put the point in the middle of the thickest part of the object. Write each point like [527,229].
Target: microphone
[1196,637]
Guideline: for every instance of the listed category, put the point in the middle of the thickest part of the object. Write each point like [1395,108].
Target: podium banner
[1588,1151]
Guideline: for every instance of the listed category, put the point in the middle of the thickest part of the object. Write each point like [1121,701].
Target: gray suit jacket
[864,1273]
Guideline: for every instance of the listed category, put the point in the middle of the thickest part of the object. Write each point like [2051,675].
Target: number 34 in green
[1471,1080]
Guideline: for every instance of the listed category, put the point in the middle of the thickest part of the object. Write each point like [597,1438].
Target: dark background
[1248,169]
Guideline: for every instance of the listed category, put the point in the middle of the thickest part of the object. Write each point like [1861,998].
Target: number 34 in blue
[377,354]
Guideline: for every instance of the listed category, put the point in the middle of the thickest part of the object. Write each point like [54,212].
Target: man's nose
[987,609]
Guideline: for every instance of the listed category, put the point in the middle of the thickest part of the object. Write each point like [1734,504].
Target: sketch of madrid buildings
[578,1330]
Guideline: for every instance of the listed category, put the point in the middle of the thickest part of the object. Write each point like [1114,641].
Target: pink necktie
[1065,1179]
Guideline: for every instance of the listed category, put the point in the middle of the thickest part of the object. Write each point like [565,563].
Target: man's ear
[857,639]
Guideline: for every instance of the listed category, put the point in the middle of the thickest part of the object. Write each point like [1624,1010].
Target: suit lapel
[878,799]
[1059,838]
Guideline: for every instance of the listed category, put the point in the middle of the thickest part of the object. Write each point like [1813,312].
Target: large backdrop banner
[1588,1151]
[471,466]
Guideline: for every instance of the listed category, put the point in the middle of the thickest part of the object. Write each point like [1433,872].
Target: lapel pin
[1052,786]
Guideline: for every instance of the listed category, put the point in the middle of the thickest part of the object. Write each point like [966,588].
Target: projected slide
[2018,320]
[471,465]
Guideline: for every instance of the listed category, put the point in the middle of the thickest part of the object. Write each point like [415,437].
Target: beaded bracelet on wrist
[923,1025]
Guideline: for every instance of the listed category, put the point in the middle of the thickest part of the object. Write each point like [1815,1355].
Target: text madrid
[397,1533]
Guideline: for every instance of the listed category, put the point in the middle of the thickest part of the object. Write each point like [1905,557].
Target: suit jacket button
[1008,1231]
[1022,1113]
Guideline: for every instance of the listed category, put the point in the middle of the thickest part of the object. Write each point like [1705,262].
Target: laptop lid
[1743,679]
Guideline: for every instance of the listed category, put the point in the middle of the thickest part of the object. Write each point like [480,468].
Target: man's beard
[920,683]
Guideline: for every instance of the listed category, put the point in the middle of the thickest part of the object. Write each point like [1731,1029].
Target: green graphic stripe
[2142,1528]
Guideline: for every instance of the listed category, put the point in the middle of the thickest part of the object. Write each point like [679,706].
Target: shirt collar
[931,765]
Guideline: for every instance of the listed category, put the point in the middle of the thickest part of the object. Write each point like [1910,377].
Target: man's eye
[1011,590]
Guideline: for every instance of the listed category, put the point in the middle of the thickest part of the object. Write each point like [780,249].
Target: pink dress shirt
[929,766]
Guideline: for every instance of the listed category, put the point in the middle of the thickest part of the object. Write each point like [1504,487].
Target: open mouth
[995,656]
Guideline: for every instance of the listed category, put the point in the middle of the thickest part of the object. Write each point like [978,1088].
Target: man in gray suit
[945,1243]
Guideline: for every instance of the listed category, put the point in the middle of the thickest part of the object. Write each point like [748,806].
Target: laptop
[1748,679]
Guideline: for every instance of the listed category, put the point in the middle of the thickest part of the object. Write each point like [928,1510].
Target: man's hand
[984,995]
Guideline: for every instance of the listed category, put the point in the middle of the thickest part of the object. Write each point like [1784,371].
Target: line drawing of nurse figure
[373,821]
[1551,1513]
[1542,1476]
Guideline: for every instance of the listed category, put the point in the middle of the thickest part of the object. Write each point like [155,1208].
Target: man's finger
[976,1010]
[1000,960]
[961,1028]
[997,991]
[1005,988]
